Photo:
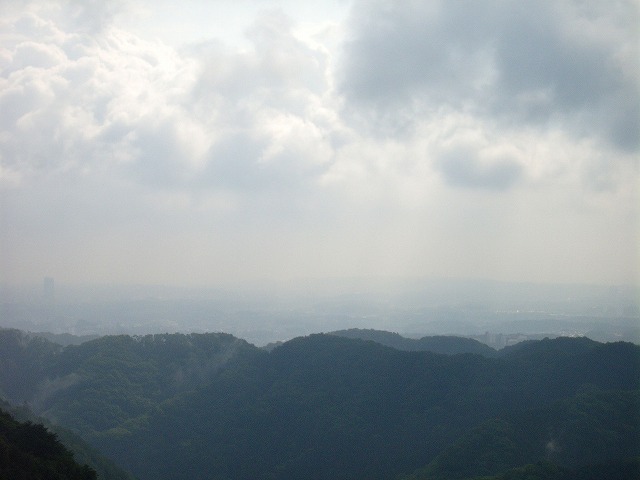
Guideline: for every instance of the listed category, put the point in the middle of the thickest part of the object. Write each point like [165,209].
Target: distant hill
[559,346]
[201,406]
[448,345]
[64,339]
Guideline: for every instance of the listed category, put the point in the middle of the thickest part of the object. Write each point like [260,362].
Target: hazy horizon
[496,311]
[308,286]
[233,143]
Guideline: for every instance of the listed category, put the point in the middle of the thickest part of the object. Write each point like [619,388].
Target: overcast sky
[223,141]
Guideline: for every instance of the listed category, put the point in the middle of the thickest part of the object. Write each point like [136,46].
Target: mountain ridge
[323,406]
[445,344]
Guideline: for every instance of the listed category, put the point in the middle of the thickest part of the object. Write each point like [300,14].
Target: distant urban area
[495,313]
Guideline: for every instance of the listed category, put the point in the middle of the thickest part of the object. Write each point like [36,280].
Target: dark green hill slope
[614,470]
[83,453]
[24,361]
[325,407]
[320,407]
[593,427]
[101,383]
[28,451]
[560,346]
[448,345]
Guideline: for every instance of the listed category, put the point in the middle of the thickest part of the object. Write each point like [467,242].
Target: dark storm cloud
[533,62]
[622,121]
[400,50]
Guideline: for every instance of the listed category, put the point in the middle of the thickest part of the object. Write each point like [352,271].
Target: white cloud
[439,137]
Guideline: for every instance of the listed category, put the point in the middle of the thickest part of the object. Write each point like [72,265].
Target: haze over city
[229,142]
[341,239]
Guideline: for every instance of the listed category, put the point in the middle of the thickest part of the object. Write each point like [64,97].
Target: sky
[220,142]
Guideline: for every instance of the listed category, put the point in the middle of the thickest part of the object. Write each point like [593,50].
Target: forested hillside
[593,427]
[101,383]
[328,407]
[83,453]
[448,345]
[28,451]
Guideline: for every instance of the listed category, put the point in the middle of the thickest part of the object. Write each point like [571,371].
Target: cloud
[463,168]
[268,119]
[204,121]
[265,107]
[539,64]
[75,99]
[434,126]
